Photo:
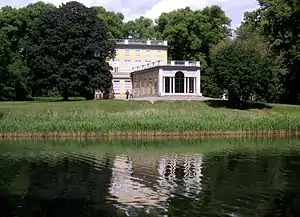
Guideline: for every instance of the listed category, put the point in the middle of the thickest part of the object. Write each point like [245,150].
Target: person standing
[127,94]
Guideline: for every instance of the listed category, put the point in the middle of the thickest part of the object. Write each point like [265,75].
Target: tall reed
[134,116]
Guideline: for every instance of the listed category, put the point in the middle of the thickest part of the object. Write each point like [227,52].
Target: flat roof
[166,67]
[138,42]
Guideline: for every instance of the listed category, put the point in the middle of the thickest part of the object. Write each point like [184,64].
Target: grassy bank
[135,117]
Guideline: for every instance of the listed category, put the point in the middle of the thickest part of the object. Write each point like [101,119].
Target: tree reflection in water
[234,183]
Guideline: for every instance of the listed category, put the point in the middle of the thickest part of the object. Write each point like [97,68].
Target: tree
[4,62]
[244,69]
[278,22]
[14,23]
[68,49]
[113,21]
[141,28]
[191,34]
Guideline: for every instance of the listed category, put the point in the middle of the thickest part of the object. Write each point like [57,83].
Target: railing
[141,42]
[169,63]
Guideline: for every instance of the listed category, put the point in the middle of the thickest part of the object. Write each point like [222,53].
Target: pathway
[187,98]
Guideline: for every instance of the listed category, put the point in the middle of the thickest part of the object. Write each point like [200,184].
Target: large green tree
[68,49]
[244,68]
[278,22]
[141,28]
[191,33]
[14,24]
[113,21]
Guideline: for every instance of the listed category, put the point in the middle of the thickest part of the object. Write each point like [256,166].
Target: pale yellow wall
[125,68]
[154,54]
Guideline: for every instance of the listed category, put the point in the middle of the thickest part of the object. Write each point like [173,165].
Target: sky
[153,8]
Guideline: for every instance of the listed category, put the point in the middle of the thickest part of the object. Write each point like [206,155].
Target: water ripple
[244,182]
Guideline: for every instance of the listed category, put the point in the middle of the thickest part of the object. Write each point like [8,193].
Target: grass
[113,116]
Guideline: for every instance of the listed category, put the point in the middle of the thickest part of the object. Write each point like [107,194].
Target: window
[167,85]
[158,53]
[191,85]
[138,52]
[116,60]
[127,61]
[128,85]
[138,61]
[116,86]
[147,52]
[117,52]
[127,52]
[148,61]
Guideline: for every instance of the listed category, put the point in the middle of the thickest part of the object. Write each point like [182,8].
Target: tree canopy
[244,69]
[278,22]
[45,59]
[68,48]
[39,58]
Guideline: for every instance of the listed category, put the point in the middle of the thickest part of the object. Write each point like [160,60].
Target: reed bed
[138,118]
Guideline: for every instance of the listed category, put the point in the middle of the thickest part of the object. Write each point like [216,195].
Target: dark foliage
[68,50]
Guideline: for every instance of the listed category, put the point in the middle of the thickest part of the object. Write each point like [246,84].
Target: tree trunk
[66,95]
[233,100]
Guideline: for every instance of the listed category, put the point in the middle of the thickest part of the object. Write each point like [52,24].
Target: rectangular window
[138,61]
[158,53]
[127,61]
[138,52]
[116,60]
[167,84]
[191,85]
[127,52]
[147,52]
[116,86]
[128,85]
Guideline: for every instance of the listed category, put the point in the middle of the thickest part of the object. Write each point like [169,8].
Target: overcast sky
[153,8]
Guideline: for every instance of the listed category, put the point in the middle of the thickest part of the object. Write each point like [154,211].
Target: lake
[209,177]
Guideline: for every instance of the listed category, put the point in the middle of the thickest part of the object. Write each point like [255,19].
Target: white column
[195,89]
[164,85]
[188,85]
[198,83]
[184,85]
[160,83]
[173,82]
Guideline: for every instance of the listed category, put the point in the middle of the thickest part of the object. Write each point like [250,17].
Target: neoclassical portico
[160,79]
[180,83]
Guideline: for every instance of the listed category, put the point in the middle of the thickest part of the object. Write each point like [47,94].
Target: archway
[179,82]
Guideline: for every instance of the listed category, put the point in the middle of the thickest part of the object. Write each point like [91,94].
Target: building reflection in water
[138,183]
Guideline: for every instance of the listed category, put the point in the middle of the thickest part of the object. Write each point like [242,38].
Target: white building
[162,78]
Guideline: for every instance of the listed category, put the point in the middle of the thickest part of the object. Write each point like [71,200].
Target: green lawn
[138,116]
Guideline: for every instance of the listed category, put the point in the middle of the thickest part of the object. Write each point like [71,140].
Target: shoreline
[135,135]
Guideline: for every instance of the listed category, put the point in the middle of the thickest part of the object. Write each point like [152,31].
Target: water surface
[216,177]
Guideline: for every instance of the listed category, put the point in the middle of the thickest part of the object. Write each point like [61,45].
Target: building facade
[131,53]
[142,68]
[166,78]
